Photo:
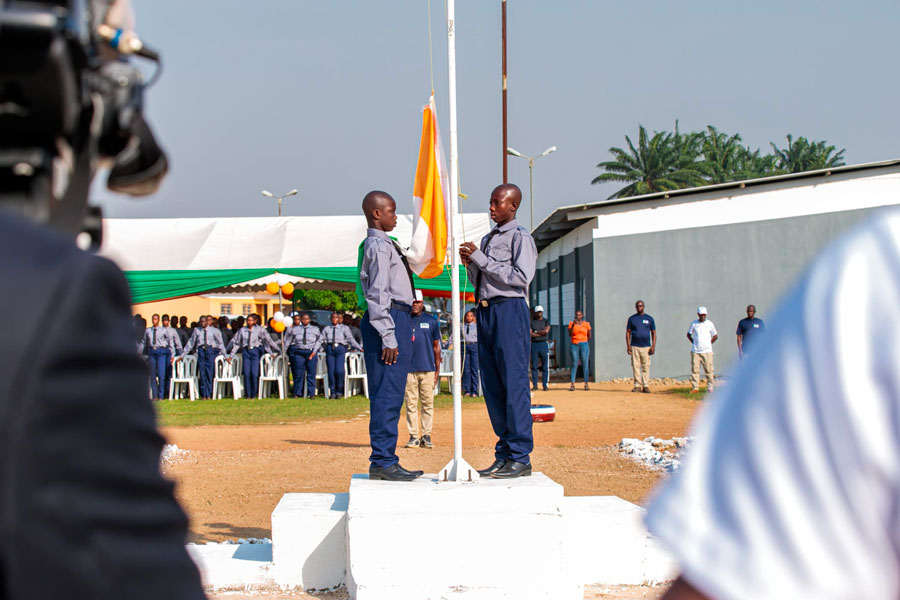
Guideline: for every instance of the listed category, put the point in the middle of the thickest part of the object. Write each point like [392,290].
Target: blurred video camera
[71,100]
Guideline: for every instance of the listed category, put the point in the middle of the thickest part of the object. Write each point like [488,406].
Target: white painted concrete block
[232,565]
[606,543]
[309,541]
[428,540]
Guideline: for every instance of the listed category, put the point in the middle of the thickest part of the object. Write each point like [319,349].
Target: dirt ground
[232,477]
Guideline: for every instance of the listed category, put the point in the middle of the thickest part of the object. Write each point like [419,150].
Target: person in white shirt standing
[702,334]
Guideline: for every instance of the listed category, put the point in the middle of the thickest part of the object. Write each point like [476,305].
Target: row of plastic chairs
[185,379]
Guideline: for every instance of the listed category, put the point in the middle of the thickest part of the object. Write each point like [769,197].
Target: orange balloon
[272,287]
[278,326]
[287,296]
[272,323]
[287,289]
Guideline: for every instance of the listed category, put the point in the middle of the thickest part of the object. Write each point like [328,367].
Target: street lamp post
[531,160]
[269,194]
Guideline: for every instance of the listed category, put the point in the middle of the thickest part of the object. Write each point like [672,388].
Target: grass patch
[686,393]
[261,411]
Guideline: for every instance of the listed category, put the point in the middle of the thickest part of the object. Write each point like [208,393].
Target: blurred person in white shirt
[792,489]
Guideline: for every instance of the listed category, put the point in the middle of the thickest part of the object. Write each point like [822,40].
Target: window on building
[246,309]
[225,308]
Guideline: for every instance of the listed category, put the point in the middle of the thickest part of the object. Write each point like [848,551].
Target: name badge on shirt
[423,325]
[645,322]
[756,326]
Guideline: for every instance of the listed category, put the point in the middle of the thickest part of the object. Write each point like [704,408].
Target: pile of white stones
[664,455]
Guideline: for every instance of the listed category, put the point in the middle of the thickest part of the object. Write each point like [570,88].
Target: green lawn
[184,413]
[686,392]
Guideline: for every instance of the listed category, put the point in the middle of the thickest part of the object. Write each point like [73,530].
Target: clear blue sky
[325,96]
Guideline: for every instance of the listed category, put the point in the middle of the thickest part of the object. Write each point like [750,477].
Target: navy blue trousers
[334,360]
[504,340]
[470,370]
[387,386]
[250,358]
[303,367]
[540,354]
[159,361]
[206,366]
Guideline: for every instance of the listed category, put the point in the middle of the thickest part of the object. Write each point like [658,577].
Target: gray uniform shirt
[176,339]
[247,338]
[156,338]
[383,277]
[296,334]
[506,261]
[205,336]
[339,334]
[470,333]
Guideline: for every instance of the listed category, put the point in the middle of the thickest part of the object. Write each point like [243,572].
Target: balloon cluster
[287,290]
[279,320]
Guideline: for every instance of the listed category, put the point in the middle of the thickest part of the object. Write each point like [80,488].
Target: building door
[262,309]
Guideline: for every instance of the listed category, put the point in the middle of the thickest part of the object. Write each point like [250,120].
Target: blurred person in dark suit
[85,513]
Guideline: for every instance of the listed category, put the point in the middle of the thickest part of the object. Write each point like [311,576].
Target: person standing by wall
[640,344]
[748,330]
[540,348]
[303,341]
[579,348]
[702,334]
[470,372]
[423,374]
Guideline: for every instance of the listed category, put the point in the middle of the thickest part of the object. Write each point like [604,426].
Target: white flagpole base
[458,470]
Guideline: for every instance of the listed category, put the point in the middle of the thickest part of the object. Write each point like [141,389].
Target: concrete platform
[238,566]
[310,541]
[429,540]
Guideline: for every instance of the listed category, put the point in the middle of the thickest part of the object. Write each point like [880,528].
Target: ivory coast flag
[429,231]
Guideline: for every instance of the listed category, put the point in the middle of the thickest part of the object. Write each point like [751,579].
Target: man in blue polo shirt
[749,330]
[640,344]
[423,374]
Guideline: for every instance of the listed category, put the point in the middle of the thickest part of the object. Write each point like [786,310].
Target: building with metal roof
[722,246]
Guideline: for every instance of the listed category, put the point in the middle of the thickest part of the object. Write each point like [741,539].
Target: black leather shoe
[416,473]
[392,473]
[511,470]
[495,466]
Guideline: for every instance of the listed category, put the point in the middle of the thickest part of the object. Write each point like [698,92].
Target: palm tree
[659,163]
[721,154]
[750,164]
[803,155]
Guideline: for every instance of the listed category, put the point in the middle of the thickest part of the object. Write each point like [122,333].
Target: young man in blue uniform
[423,374]
[386,282]
[209,344]
[337,339]
[470,360]
[252,341]
[303,342]
[179,347]
[748,330]
[160,351]
[502,267]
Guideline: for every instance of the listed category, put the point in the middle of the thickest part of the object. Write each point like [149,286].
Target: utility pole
[503,37]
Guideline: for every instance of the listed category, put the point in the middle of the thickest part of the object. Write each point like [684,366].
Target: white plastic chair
[355,372]
[271,370]
[322,375]
[228,374]
[184,374]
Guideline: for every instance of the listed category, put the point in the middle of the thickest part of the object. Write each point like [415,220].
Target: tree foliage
[324,300]
[674,160]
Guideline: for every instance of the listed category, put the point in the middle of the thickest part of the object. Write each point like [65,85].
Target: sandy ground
[232,477]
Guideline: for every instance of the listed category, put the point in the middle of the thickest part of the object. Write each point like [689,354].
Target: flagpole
[458,469]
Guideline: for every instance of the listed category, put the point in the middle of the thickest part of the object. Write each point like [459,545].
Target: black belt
[401,306]
[538,341]
[496,300]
